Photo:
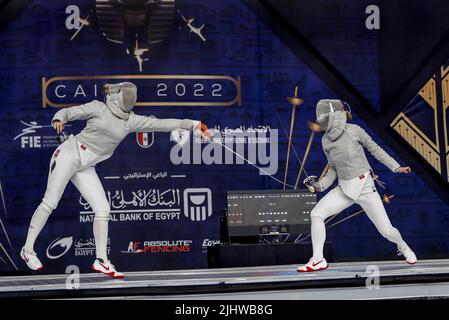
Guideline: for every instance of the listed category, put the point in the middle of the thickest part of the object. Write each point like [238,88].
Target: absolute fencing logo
[197,203]
[158,246]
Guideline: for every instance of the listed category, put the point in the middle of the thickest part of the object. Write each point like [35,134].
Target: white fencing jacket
[104,131]
[344,146]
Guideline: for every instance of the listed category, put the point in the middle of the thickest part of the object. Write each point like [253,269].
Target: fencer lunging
[75,159]
[344,144]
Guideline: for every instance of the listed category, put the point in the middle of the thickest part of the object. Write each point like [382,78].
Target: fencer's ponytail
[347,110]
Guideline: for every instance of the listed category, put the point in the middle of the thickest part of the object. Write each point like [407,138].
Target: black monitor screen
[256,212]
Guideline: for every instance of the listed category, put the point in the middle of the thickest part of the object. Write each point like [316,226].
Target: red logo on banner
[161,246]
[145,139]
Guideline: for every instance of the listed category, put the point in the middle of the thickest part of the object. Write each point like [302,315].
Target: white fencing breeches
[72,161]
[336,201]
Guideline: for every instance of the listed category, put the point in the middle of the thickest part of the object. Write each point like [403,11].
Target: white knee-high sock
[318,230]
[38,221]
[101,235]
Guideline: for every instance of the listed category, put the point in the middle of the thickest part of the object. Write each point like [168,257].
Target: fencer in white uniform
[344,144]
[75,159]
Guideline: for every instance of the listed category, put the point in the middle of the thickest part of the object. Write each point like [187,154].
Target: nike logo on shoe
[316,263]
[104,266]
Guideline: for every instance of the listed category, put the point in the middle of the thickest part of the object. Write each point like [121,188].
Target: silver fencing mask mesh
[121,98]
[129,95]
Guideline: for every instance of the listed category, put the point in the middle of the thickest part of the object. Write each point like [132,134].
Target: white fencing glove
[312,184]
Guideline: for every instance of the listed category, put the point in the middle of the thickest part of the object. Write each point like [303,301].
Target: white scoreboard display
[269,212]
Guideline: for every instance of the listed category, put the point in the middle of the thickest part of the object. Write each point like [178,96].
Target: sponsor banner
[76,247]
[236,80]
[158,246]
[207,243]
[140,205]
[154,90]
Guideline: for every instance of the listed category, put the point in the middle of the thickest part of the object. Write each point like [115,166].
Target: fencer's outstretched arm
[377,151]
[138,123]
[81,112]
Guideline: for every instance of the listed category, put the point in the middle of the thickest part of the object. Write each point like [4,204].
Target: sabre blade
[293,147]
[243,158]
[306,154]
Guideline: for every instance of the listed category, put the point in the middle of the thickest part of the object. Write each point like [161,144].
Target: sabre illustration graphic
[137,53]
[193,29]
[84,22]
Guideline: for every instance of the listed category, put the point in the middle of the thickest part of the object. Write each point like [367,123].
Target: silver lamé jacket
[344,145]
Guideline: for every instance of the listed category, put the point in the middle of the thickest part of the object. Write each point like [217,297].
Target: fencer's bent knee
[316,214]
[46,208]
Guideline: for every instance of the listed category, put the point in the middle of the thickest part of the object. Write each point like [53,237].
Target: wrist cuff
[187,124]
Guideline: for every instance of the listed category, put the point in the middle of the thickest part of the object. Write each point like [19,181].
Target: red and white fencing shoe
[408,254]
[31,259]
[107,268]
[314,265]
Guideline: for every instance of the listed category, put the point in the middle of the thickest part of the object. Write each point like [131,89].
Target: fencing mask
[120,98]
[331,115]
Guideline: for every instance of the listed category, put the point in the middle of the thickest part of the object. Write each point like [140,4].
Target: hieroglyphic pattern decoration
[431,148]
[445,104]
[421,143]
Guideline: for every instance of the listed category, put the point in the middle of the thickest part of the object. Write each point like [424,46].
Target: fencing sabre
[314,127]
[342,220]
[332,225]
[293,147]
[322,173]
[294,101]
[386,196]
[285,132]
[244,159]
